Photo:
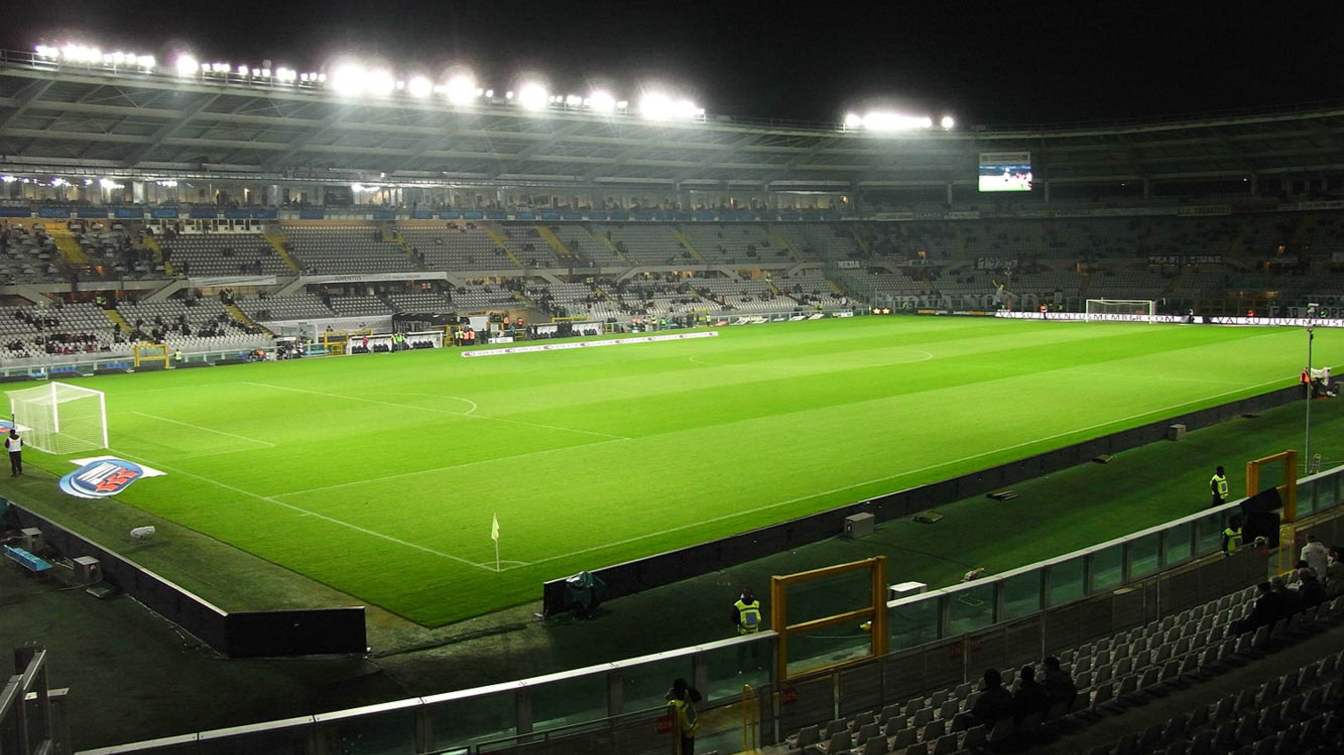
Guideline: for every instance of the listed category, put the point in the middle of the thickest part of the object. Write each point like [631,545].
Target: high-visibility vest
[1220,484]
[1233,539]
[748,616]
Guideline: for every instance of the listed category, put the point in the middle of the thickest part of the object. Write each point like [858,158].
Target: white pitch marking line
[205,429]
[898,475]
[300,509]
[467,414]
[402,475]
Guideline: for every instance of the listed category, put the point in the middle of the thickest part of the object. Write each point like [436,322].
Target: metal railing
[613,707]
[32,716]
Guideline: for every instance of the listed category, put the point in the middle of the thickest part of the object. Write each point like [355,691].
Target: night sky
[996,62]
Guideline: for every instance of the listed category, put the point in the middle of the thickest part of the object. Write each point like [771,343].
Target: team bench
[33,563]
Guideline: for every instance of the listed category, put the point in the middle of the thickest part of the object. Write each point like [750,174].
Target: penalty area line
[300,509]
[202,428]
[469,414]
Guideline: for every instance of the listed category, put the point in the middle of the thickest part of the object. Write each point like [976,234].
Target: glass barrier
[726,668]
[1143,556]
[276,738]
[828,596]
[1209,533]
[645,685]
[912,623]
[570,701]
[578,701]
[467,720]
[827,646]
[1021,595]
[388,729]
[1178,544]
[969,608]
[1067,580]
[1106,568]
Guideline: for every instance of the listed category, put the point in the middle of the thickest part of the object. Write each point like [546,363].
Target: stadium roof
[68,120]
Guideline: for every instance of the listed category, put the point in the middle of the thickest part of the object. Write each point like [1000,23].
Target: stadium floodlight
[947,122]
[659,106]
[186,65]
[533,96]
[573,100]
[47,52]
[853,121]
[72,53]
[601,101]
[8,179]
[286,75]
[419,86]
[242,69]
[885,121]
[349,80]
[490,93]
[460,89]
[58,182]
[107,183]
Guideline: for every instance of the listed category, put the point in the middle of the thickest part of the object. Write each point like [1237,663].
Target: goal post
[1129,310]
[61,418]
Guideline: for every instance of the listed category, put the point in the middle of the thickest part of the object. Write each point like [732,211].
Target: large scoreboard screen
[1005,171]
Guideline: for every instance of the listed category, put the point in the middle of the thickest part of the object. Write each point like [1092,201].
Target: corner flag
[494,535]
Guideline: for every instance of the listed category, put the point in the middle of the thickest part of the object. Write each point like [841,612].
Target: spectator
[994,703]
[1289,601]
[1030,697]
[1310,591]
[1317,556]
[1334,574]
[1059,684]
[1267,610]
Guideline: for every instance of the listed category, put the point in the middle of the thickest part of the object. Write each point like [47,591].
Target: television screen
[1005,171]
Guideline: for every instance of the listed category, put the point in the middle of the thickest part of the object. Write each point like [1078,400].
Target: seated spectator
[1268,609]
[994,703]
[1030,697]
[1334,574]
[1059,684]
[1310,591]
[1317,556]
[1289,601]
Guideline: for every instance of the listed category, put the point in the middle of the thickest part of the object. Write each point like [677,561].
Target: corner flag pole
[494,535]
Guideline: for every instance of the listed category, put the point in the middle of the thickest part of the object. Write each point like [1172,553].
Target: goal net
[1129,310]
[61,418]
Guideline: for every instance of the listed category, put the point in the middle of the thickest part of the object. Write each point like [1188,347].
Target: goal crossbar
[1131,310]
[62,418]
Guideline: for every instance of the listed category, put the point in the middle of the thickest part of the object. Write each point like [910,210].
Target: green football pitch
[379,475]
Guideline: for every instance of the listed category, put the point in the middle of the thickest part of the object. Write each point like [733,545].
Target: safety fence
[74,365]
[939,638]
[240,634]
[671,566]
[33,717]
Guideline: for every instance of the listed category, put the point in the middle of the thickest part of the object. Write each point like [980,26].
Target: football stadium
[355,409]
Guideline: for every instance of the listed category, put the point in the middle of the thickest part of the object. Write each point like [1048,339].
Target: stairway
[152,244]
[686,242]
[501,241]
[782,243]
[400,240]
[118,320]
[242,317]
[601,238]
[553,241]
[69,247]
[276,239]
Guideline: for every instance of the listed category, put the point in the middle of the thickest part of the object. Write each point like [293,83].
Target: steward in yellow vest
[1218,487]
